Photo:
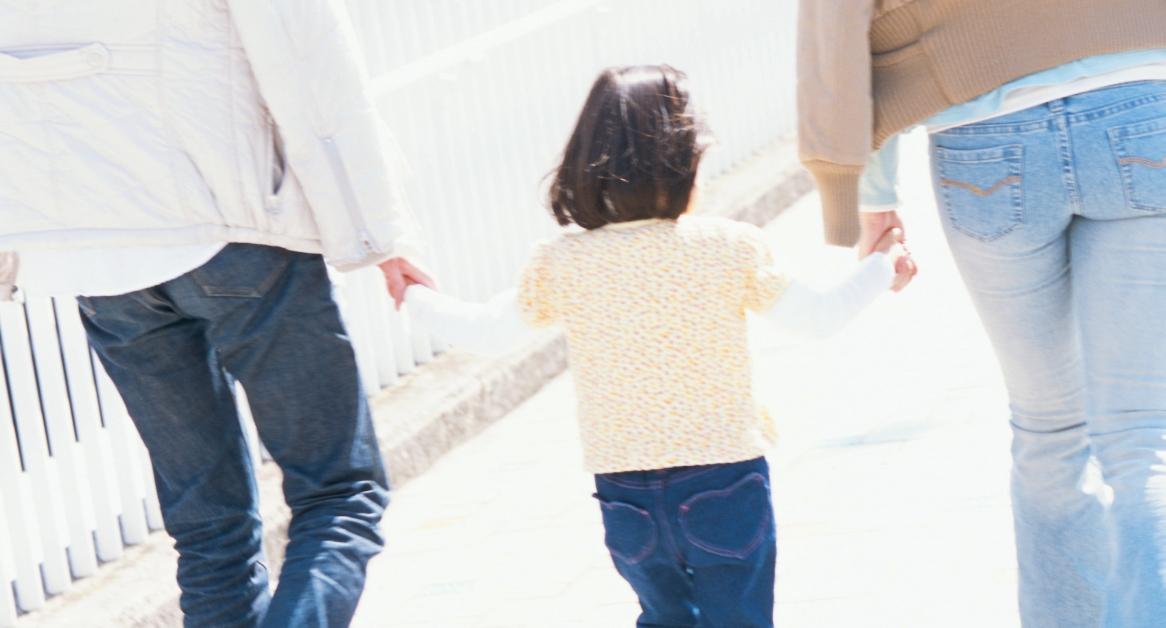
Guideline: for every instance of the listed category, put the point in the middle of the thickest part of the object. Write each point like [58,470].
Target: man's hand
[400,274]
[875,226]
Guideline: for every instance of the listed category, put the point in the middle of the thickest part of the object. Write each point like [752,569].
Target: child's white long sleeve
[819,314]
[497,326]
[491,328]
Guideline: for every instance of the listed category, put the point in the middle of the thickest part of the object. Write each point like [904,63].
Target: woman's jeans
[697,544]
[265,317]
[1056,216]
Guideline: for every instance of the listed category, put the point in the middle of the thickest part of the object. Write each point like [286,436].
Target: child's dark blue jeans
[697,544]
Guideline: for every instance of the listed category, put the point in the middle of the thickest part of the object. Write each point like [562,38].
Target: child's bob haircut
[634,152]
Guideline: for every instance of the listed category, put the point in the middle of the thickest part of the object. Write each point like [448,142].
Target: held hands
[400,274]
[883,232]
[892,245]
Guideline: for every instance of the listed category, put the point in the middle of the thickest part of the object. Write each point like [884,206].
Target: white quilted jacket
[155,122]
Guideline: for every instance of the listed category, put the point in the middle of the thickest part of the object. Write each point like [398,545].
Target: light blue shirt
[877,185]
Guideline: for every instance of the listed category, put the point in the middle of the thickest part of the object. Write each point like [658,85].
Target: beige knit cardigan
[868,69]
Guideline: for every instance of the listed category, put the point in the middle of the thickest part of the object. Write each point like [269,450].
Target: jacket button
[271,204]
[96,59]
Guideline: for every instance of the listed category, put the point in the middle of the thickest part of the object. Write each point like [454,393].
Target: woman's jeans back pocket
[982,189]
[1140,150]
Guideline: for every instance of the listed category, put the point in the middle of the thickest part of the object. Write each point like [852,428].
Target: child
[653,304]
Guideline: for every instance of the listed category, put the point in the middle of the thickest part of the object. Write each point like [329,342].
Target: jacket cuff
[409,249]
[838,185]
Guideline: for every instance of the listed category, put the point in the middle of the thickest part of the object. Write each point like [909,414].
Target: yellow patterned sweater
[654,313]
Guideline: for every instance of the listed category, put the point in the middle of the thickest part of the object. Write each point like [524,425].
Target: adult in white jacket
[187,166]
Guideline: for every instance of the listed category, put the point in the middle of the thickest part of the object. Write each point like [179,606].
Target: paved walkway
[891,481]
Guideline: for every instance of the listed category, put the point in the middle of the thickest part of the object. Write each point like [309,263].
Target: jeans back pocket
[730,522]
[242,271]
[628,531]
[1140,150]
[982,189]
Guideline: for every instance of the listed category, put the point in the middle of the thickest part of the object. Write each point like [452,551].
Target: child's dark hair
[634,152]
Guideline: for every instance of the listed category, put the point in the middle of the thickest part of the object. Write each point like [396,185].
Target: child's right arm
[491,328]
[507,321]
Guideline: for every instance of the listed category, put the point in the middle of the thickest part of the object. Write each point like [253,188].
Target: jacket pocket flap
[53,65]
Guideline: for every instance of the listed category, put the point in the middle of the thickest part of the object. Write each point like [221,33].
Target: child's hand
[905,267]
[891,244]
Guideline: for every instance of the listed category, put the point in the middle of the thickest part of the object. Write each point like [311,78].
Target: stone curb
[432,411]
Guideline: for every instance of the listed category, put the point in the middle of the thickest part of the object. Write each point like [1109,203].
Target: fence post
[62,440]
[80,372]
[42,469]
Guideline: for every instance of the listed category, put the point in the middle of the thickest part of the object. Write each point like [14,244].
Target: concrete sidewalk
[891,480]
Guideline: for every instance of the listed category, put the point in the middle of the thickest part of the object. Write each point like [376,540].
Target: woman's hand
[873,227]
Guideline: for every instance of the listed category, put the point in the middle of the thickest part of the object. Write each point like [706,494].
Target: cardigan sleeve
[835,106]
[537,291]
[764,283]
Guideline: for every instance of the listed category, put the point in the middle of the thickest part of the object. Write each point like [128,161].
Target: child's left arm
[820,314]
[492,328]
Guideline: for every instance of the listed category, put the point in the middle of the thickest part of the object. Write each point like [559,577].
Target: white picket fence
[481,95]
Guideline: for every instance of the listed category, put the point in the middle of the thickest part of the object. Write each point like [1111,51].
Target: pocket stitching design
[653,539]
[1118,136]
[1012,156]
[758,536]
[977,190]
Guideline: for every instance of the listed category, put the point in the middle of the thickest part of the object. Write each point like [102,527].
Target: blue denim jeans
[1057,219]
[265,317]
[697,544]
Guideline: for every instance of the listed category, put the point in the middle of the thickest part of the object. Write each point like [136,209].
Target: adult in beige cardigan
[1051,188]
